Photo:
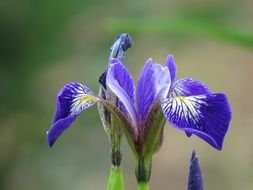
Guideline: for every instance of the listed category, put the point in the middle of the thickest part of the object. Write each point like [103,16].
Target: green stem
[116,179]
[143,186]
[143,169]
[143,172]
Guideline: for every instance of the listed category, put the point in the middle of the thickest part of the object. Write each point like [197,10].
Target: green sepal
[103,113]
[153,130]
[125,124]
[116,179]
[115,138]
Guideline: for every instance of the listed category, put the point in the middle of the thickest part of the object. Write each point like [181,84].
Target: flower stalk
[143,172]
[143,186]
[116,179]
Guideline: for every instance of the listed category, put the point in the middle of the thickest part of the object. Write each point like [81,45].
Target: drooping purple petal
[189,87]
[120,82]
[71,100]
[154,82]
[58,128]
[206,116]
[170,63]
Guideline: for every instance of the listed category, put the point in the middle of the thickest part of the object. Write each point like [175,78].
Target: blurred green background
[45,44]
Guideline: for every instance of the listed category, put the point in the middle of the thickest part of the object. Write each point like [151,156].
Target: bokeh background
[45,44]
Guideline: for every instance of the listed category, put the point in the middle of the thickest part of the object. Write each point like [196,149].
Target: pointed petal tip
[148,62]
[115,61]
[206,137]
[170,57]
[51,138]
[194,155]
[57,128]
[170,63]
[188,134]
[51,144]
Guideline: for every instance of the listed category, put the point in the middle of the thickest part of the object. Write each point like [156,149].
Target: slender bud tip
[195,181]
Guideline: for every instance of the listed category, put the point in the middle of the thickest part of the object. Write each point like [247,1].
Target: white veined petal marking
[82,98]
[185,109]
[81,103]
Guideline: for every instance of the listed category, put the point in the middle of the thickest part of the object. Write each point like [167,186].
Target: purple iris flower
[142,110]
[186,103]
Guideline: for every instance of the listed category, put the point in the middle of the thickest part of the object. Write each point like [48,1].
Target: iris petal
[206,116]
[154,82]
[121,84]
[124,78]
[170,63]
[71,100]
[189,87]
